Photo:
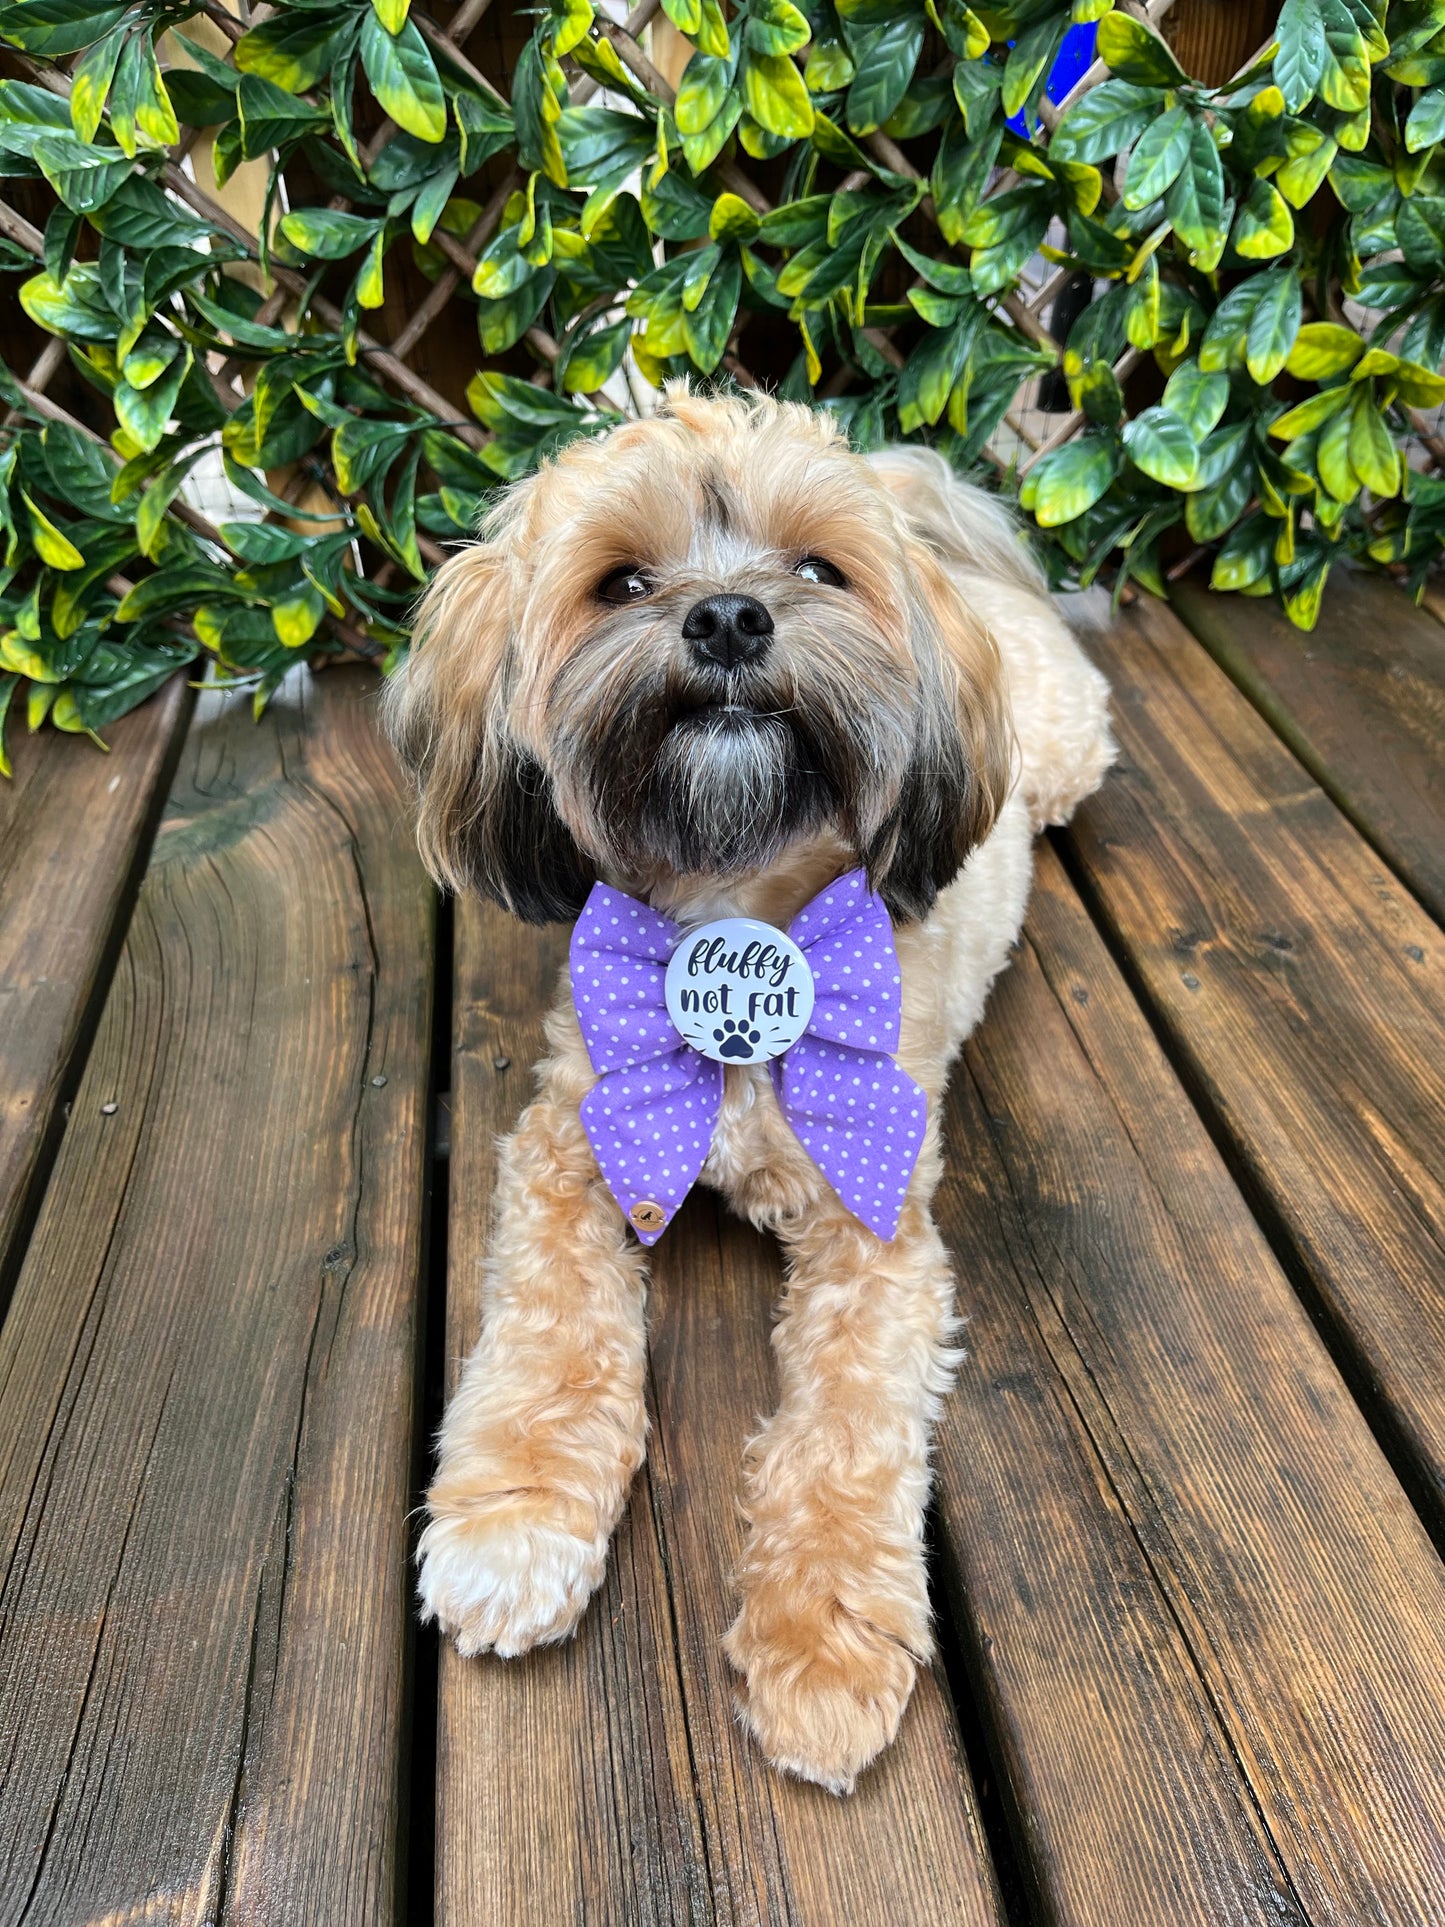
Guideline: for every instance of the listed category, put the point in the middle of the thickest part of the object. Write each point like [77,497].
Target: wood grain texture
[1360,701]
[606,1780]
[1303,990]
[1208,1625]
[207,1379]
[72,824]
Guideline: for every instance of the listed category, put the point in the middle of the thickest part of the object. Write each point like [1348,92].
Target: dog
[716,660]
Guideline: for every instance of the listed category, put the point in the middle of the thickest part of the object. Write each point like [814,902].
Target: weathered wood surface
[207,1379]
[1207,1624]
[1360,701]
[73,823]
[1303,990]
[606,1780]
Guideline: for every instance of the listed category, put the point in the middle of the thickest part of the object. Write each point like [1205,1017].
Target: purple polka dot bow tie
[651,1115]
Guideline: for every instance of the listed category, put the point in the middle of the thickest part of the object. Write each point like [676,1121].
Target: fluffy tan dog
[716,659]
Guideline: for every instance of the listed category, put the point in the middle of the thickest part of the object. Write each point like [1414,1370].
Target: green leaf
[1426,125]
[144,412]
[1420,228]
[1273,326]
[1196,397]
[1135,52]
[84,176]
[403,77]
[593,358]
[292,51]
[1162,149]
[932,369]
[774,94]
[1246,555]
[706,330]
[155,117]
[328,233]
[141,218]
[74,307]
[704,87]
[1195,202]
[1322,349]
[360,448]
[1300,61]
[1162,446]
[1373,455]
[884,65]
[1332,458]
[51,545]
[1029,61]
[90,83]
[391,13]
[1067,483]
[1105,121]
[1312,154]
[1263,227]
[55,27]
[151,510]
[776,27]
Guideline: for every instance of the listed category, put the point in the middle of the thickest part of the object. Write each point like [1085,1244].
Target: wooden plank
[1360,701]
[1303,990]
[1208,1624]
[73,825]
[207,1379]
[607,1780]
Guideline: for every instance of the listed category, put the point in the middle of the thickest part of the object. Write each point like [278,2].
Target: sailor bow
[651,1115]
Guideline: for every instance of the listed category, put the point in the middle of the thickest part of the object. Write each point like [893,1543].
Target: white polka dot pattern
[651,1115]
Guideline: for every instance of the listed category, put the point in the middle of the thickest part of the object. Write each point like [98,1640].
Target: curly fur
[925,719]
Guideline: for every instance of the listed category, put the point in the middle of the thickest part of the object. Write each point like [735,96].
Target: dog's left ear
[486,820]
[961,767]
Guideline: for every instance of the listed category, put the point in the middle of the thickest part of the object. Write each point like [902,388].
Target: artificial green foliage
[1266,334]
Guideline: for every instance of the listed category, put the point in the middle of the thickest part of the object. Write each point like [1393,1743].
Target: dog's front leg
[548,1425]
[834,1616]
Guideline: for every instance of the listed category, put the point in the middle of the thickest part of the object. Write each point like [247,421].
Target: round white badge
[739,991]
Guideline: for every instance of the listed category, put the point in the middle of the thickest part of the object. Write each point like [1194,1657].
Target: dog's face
[683,647]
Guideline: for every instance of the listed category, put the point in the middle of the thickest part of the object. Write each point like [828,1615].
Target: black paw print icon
[735,1040]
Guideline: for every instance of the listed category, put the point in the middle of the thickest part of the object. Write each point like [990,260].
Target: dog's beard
[730,786]
[663,764]
[703,775]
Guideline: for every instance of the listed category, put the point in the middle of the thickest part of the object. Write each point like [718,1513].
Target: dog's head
[682,647]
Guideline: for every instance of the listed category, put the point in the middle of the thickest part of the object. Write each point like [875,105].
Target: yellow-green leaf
[775,96]
[1373,455]
[297,619]
[1264,226]
[370,287]
[732,219]
[51,545]
[1322,349]
[1309,414]
[1332,458]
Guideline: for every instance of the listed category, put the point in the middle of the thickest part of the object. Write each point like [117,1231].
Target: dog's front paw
[825,1686]
[508,1576]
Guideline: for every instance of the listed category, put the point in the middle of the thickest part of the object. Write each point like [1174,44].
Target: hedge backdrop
[355,267]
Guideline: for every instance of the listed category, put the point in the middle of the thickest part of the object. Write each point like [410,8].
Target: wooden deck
[1191,1483]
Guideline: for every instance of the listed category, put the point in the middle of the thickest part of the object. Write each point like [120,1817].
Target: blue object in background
[1075,57]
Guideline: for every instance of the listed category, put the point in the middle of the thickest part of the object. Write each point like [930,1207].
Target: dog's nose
[728,630]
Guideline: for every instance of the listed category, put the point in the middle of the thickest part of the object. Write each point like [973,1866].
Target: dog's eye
[813,568]
[624,585]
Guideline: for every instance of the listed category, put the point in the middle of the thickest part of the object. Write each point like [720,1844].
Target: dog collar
[663,1009]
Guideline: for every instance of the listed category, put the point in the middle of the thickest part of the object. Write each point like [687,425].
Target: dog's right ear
[486,820]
